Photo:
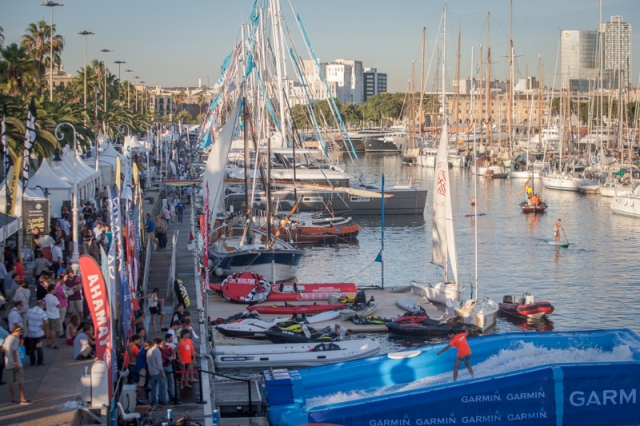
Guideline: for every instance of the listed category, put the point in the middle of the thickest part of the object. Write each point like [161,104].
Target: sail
[443,237]
[214,172]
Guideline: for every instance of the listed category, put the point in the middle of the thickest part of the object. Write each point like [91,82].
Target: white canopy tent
[29,194]
[59,190]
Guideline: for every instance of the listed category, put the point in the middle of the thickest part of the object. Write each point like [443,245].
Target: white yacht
[627,205]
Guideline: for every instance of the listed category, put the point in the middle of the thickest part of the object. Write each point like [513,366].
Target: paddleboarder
[556,230]
[464,352]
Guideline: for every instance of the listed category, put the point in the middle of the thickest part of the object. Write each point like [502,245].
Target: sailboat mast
[475,191]
[488,94]
[444,109]
[457,98]
[420,111]
[510,109]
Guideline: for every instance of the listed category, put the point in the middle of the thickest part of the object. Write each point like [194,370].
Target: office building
[374,82]
[579,58]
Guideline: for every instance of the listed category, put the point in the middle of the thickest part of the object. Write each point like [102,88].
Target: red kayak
[310,291]
[294,309]
[247,287]
[525,307]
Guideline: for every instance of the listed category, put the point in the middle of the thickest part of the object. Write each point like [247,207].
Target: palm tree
[16,70]
[201,101]
[37,41]
[1,36]
[179,99]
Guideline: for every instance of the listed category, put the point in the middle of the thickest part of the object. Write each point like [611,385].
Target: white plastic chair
[128,417]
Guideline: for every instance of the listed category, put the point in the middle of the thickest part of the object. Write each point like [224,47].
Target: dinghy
[292,355]
[249,287]
[525,307]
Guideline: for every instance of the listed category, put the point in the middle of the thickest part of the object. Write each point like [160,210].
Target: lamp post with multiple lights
[85,33]
[119,84]
[105,51]
[74,209]
[51,4]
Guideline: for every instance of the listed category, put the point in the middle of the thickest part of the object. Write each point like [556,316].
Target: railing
[172,264]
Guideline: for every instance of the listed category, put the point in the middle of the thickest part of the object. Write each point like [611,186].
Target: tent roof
[47,178]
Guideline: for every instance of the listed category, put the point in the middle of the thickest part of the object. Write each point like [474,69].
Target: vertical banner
[5,153]
[29,139]
[205,236]
[116,258]
[96,293]
[118,178]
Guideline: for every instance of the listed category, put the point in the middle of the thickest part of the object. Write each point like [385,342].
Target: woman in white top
[53,314]
[23,294]
[155,308]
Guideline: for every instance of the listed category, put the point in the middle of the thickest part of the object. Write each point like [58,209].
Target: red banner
[95,291]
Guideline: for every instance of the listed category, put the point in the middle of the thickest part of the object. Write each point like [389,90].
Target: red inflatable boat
[525,307]
[294,309]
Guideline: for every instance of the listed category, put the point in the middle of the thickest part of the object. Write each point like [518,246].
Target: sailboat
[482,313]
[443,237]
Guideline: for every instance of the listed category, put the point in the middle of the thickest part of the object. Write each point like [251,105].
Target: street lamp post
[51,4]
[85,33]
[105,51]
[119,63]
[74,209]
[136,77]
[142,96]
[128,88]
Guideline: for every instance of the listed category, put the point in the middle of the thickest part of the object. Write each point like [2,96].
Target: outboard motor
[528,298]
[507,299]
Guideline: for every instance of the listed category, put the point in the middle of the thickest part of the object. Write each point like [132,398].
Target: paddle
[565,236]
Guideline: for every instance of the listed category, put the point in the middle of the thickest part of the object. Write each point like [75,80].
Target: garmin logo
[437,421]
[388,422]
[481,398]
[528,416]
[524,395]
[607,397]
[491,418]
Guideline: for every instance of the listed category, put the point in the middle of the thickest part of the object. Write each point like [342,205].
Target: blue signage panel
[602,394]
[525,399]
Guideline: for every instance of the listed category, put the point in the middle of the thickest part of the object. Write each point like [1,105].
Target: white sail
[214,173]
[444,243]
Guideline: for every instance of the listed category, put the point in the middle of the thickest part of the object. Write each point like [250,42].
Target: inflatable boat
[525,307]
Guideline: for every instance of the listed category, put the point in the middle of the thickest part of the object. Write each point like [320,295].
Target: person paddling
[556,230]
[464,352]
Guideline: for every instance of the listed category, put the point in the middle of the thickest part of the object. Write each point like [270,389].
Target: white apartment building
[344,78]
[617,46]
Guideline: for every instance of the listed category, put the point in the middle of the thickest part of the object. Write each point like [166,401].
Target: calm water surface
[595,283]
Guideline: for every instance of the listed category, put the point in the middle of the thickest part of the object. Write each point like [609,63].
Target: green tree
[1,37]
[37,41]
[179,99]
[183,115]
[16,70]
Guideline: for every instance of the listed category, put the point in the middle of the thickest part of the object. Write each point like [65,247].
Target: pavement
[55,387]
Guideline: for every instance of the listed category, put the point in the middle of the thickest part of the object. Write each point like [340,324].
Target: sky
[175,43]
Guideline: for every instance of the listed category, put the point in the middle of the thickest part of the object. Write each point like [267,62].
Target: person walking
[150,229]
[61,294]
[157,377]
[37,323]
[168,357]
[56,254]
[14,318]
[161,232]
[53,314]
[13,365]
[180,210]
[464,352]
[155,308]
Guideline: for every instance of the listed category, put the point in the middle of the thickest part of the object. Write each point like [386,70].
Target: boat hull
[379,145]
[311,291]
[295,309]
[291,355]
[437,293]
[626,206]
[348,313]
[428,328]
[529,208]
[562,183]
[263,262]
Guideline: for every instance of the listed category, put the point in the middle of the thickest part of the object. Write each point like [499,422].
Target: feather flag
[29,139]
[6,161]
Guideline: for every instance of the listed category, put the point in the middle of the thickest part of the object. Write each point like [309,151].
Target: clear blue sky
[174,43]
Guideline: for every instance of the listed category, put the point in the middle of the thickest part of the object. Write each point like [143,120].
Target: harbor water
[595,283]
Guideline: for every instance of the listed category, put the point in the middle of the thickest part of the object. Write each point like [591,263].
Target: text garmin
[607,397]
[490,418]
[527,416]
[524,395]
[389,422]
[481,398]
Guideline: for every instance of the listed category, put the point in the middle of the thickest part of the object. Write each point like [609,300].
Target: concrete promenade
[53,385]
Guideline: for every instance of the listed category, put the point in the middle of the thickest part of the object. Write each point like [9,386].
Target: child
[187,358]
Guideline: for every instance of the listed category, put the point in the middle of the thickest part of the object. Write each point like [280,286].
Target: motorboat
[237,251]
[482,313]
[627,205]
[525,307]
[533,206]
[292,355]
[244,287]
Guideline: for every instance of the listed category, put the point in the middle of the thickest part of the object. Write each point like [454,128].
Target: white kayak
[347,313]
[323,316]
[409,304]
[292,355]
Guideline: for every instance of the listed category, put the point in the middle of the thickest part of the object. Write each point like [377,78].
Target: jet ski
[423,326]
[294,332]
[370,320]
[249,327]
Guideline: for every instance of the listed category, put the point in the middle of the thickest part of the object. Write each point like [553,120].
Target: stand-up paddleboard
[409,304]
[562,245]
[472,215]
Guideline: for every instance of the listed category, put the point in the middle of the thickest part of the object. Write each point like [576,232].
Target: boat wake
[521,356]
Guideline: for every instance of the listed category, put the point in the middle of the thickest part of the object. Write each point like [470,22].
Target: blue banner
[122,282]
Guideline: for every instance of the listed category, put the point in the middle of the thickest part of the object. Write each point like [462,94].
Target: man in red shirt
[464,352]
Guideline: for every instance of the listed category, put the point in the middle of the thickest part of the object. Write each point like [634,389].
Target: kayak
[294,309]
